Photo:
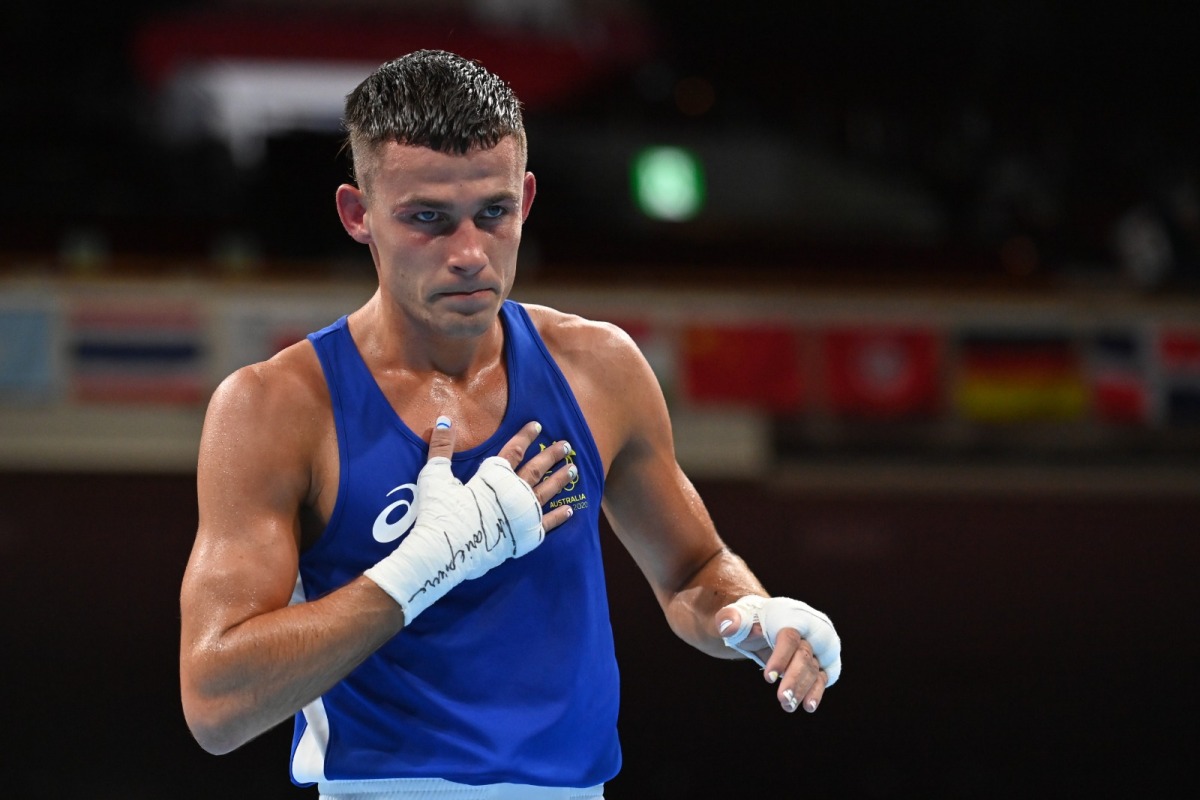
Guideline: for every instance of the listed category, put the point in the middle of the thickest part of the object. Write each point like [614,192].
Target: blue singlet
[509,678]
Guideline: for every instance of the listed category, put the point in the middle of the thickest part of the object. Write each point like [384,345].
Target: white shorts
[438,789]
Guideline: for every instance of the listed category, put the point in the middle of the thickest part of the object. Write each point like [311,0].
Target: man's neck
[390,340]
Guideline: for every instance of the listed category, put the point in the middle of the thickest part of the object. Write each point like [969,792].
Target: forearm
[691,610]
[238,683]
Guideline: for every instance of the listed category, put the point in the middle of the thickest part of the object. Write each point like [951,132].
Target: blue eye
[492,212]
[426,216]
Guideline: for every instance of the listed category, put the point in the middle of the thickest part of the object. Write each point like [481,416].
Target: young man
[399,516]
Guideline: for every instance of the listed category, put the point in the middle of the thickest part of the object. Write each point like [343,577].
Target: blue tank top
[509,678]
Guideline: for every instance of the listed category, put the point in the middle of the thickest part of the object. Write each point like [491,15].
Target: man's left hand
[795,644]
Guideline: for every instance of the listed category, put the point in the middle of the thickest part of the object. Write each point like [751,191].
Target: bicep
[251,482]
[650,503]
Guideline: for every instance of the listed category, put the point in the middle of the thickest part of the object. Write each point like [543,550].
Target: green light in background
[668,183]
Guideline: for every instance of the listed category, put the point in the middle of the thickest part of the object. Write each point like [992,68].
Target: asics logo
[395,520]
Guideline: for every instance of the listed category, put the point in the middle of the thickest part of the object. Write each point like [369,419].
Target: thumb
[441,441]
[729,623]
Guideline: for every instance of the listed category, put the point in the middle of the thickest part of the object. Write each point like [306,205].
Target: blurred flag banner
[137,353]
[754,366]
[1179,362]
[26,354]
[1018,376]
[250,331]
[882,373]
[1120,376]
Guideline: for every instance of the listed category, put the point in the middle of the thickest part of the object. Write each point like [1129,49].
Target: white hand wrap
[776,613]
[461,532]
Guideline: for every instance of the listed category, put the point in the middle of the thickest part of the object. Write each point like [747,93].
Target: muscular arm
[248,660]
[692,572]
[663,523]
[649,502]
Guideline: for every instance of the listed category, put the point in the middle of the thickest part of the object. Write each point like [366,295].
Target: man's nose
[467,253]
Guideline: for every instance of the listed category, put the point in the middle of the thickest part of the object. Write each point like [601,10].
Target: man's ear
[352,210]
[528,190]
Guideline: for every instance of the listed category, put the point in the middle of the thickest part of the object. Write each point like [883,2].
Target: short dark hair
[434,99]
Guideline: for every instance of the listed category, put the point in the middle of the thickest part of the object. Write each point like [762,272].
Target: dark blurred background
[962,141]
[1016,599]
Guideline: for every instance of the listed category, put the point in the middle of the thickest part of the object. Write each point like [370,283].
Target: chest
[476,405]
[382,458]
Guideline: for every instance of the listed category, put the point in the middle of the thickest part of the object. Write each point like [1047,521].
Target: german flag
[1019,376]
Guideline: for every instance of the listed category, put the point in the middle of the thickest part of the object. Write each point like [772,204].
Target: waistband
[438,789]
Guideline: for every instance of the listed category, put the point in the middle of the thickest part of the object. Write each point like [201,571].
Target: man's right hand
[464,530]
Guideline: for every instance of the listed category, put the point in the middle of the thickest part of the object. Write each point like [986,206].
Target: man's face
[444,231]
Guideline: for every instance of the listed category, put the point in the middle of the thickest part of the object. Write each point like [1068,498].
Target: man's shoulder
[614,384]
[566,332]
[599,351]
[290,382]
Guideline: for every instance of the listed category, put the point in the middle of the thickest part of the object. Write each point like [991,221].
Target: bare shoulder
[614,385]
[278,392]
[584,343]
[265,428]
